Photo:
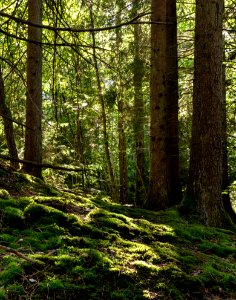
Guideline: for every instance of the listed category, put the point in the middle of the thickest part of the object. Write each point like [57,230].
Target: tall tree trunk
[205,173]
[104,117]
[174,193]
[225,176]
[33,134]
[8,125]
[164,188]
[123,196]
[123,169]
[138,73]
[158,181]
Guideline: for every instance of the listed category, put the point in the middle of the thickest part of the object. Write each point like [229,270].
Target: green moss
[12,273]
[91,246]
[13,217]
[220,250]
[4,194]
[3,294]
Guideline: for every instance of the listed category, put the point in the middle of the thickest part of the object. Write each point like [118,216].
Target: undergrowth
[86,247]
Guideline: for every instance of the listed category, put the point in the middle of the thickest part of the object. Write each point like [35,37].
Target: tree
[163,186]
[104,116]
[8,125]
[33,133]
[172,143]
[123,170]
[205,171]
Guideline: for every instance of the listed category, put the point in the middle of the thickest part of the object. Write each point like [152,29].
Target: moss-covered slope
[86,247]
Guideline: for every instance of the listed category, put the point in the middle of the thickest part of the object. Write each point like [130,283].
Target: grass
[91,248]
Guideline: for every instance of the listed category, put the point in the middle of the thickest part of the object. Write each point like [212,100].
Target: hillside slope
[78,246]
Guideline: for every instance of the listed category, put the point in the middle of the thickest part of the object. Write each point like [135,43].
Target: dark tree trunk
[8,125]
[164,188]
[174,193]
[205,173]
[33,134]
[158,182]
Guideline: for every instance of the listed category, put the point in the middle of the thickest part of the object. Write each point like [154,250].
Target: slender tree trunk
[104,117]
[174,193]
[138,73]
[205,173]
[33,136]
[123,169]
[8,125]
[123,197]
[225,176]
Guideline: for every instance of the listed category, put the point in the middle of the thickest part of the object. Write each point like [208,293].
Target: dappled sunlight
[85,245]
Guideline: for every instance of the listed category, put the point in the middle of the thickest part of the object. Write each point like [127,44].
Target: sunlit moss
[91,246]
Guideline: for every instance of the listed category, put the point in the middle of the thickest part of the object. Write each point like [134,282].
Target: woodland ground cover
[81,246]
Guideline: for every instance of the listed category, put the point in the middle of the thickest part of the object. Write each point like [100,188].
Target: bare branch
[17,253]
[72,29]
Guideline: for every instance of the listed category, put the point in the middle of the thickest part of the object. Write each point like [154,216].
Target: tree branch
[46,166]
[17,253]
[72,29]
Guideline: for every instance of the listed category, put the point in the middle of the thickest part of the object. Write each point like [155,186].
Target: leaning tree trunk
[33,134]
[205,173]
[8,125]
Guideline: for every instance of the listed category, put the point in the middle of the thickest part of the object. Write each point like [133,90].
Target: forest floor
[76,246]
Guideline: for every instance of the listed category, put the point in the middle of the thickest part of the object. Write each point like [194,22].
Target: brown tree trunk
[164,189]
[33,136]
[8,125]
[158,181]
[174,192]
[205,173]
[138,73]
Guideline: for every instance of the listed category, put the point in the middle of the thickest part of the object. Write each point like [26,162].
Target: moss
[13,272]
[3,294]
[4,194]
[13,217]
[91,246]
[219,250]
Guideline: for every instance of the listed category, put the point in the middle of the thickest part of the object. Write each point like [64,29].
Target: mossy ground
[91,248]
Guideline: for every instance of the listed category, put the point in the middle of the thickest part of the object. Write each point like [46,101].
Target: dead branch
[17,253]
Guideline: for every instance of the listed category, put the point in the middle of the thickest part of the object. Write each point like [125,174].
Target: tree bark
[174,193]
[164,189]
[205,172]
[33,138]
[8,125]
[158,182]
